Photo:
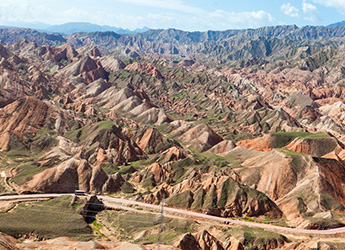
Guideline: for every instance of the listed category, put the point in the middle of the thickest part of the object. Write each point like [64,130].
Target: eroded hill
[259,137]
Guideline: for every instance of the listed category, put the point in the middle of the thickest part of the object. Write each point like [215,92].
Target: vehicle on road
[79,193]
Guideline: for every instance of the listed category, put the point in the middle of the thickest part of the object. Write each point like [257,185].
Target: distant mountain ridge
[338,24]
[272,42]
[75,27]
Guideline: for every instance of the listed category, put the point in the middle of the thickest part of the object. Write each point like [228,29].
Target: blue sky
[188,15]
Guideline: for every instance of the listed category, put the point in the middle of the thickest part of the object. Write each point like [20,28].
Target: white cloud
[201,19]
[289,10]
[217,20]
[338,4]
[331,3]
[132,14]
[165,4]
[307,7]
[220,19]
[310,11]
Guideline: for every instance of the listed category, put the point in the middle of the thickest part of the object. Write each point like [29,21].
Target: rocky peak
[149,140]
[112,63]
[65,52]
[5,53]
[87,68]
[208,241]
[95,52]
[25,115]
[71,175]
[201,136]
[145,68]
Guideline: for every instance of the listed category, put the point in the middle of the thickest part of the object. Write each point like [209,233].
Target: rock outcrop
[298,183]
[71,175]
[8,243]
[223,147]
[146,68]
[134,105]
[212,193]
[314,146]
[105,142]
[86,68]
[65,52]
[111,63]
[207,241]
[26,117]
[151,141]
[198,136]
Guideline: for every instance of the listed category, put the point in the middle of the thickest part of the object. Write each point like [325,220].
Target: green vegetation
[319,59]
[82,133]
[215,160]
[128,224]
[323,223]
[146,162]
[74,135]
[111,169]
[211,198]
[199,196]
[24,160]
[297,164]
[46,219]
[254,236]
[104,125]
[2,188]
[127,188]
[26,172]
[46,132]
[127,170]
[21,155]
[184,199]
[330,203]
[282,139]
[226,189]
[289,152]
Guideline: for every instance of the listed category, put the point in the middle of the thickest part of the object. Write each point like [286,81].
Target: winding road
[336,232]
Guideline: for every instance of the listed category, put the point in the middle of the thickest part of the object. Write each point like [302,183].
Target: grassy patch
[22,154]
[216,160]
[26,172]
[284,138]
[48,219]
[83,133]
[184,199]
[104,125]
[74,135]
[253,236]
[128,224]
[289,152]
[110,169]
[2,188]
[46,132]
[143,163]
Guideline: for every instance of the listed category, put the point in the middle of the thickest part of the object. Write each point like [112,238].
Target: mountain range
[246,124]
[278,42]
[71,27]
[75,27]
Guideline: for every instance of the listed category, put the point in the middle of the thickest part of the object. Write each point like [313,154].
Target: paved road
[327,233]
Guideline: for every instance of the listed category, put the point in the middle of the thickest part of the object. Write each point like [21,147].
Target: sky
[189,15]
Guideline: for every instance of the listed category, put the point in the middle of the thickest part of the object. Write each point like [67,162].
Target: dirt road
[337,232]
